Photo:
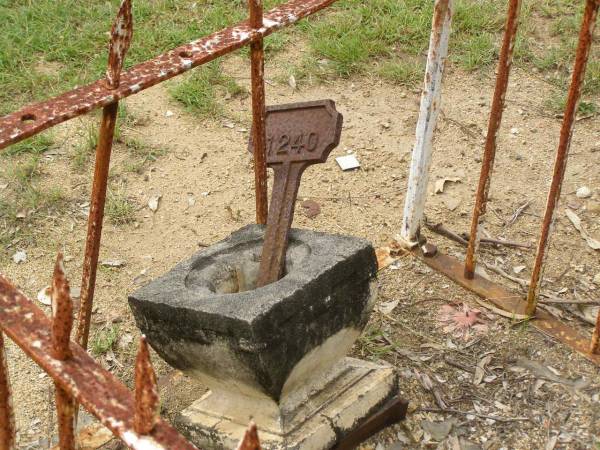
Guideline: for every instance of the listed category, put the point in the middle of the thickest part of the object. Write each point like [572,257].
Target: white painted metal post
[416,194]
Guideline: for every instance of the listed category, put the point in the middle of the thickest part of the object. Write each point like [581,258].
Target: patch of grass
[24,203]
[557,102]
[198,92]
[86,147]
[140,155]
[371,343]
[119,209]
[400,71]
[35,145]
[105,340]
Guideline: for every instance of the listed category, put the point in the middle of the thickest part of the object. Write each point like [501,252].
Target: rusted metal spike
[504,65]
[62,323]
[298,135]
[250,440]
[121,34]
[560,163]
[146,391]
[7,418]
[595,342]
[62,311]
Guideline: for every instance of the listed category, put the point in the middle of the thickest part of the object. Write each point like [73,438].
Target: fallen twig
[518,212]
[440,229]
[458,365]
[469,413]
[520,281]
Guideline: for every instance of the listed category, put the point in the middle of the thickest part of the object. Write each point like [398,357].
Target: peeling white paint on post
[416,194]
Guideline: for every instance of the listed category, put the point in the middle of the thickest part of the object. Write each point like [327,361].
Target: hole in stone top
[28,117]
[185,54]
[236,270]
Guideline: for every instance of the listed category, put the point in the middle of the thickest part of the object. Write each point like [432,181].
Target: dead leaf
[311,208]
[480,369]
[589,313]
[44,296]
[541,371]
[438,430]
[112,263]
[438,187]
[292,82]
[576,221]
[518,269]
[501,312]
[387,307]
[153,202]
[451,203]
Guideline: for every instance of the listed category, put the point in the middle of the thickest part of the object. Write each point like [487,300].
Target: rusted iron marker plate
[98,390]
[298,135]
[509,301]
[39,116]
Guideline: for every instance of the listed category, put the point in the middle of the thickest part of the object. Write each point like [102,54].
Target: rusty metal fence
[465,273]
[78,378]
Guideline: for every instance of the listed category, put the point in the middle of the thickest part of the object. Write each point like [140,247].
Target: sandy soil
[206,186]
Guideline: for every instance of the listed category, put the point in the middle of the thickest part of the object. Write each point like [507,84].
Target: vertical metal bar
[497,108]
[121,34]
[560,163]
[62,323]
[146,391]
[416,194]
[595,342]
[257,56]
[7,418]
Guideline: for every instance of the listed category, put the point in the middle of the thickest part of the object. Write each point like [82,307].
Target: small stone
[597,279]
[583,192]
[169,114]
[428,249]
[19,257]
[514,131]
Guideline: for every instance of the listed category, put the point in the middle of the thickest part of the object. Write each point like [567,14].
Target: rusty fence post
[560,163]
[62,323]
[257,60]
[416,194]
[497,108]
[121,35]
[7,418]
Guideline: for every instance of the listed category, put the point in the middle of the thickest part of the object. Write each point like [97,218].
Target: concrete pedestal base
[347,396]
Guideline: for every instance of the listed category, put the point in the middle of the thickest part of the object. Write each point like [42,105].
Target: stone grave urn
[274,354]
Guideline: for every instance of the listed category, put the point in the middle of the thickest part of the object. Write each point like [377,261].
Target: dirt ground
[205,182]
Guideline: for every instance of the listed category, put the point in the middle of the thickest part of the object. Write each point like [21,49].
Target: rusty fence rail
[47,341]
[421,160]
